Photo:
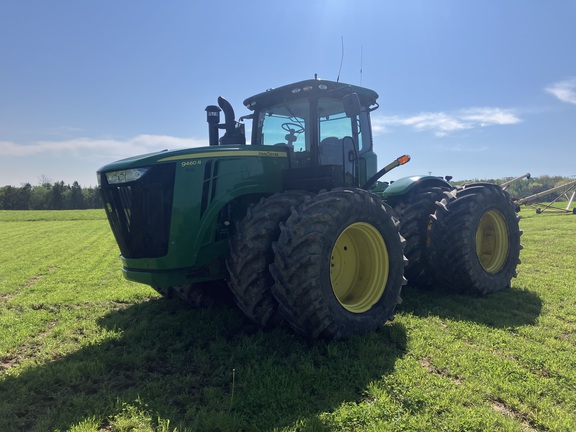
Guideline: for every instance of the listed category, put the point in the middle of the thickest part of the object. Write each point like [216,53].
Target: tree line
[49,196]
[61,196]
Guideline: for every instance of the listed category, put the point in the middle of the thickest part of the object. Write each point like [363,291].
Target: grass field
[82,349]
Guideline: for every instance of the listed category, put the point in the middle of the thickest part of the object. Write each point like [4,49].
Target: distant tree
[544,183]
[45,182]
[14,198]
[77,201]
[23,197]
[8,197]
[56,197]
[49,196]
[39,198]
[92,198]
[518,189]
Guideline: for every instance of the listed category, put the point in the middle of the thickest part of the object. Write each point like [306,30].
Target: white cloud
[564,90]
[111,148]
[489,116]
[441,123]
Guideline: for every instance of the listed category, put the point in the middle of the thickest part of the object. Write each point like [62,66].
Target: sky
[472,89]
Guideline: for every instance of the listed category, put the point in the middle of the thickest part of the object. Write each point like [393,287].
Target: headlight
[125,176]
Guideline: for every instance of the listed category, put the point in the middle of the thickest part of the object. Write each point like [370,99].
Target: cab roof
[310,88]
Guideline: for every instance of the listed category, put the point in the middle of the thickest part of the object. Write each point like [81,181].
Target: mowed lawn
[82,349]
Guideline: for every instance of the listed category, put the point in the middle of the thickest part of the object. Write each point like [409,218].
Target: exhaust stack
[213,119]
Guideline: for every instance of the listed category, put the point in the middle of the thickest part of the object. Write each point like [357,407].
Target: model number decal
[191,163]
[269,154]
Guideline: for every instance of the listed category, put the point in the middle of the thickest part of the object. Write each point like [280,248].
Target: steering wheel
[297,129]
[292,135]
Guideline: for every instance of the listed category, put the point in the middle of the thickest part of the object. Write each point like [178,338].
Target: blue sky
[483,89]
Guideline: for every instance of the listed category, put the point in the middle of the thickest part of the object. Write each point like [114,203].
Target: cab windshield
[290,125]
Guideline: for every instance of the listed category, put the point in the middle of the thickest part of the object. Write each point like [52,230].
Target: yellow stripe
[230,153]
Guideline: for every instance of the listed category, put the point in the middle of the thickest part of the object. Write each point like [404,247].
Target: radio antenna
[341,59]
[360,64]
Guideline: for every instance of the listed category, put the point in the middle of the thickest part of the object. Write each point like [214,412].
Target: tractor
[297,224]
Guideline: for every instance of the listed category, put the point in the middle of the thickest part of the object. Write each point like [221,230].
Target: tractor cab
[324,126]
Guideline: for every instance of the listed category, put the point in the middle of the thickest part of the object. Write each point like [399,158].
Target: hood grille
[139,212]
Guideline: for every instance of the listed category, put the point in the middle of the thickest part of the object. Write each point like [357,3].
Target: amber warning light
[403,159]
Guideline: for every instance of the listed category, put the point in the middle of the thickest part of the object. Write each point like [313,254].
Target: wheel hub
[359,267]
[492,241]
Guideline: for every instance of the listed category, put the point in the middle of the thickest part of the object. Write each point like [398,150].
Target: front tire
[251,254]
[338,265]
[474,239]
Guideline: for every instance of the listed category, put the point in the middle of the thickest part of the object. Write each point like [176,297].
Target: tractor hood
[167,156]
[130,169]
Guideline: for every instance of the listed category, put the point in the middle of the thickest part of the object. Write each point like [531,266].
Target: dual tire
[333,269]
[464,239]
[473,239]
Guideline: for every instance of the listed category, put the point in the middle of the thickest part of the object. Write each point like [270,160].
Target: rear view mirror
[351,105]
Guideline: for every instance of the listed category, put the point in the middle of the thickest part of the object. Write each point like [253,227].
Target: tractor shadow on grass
[513,307]
[202,369]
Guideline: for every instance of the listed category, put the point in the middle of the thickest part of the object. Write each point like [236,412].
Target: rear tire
[474,239]
[414,212]
[338,265]
[251,254]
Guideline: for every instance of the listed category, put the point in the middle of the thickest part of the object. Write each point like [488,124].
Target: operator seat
[330,151]
[336,151]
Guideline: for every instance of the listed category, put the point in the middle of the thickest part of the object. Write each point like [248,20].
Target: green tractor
[297,222]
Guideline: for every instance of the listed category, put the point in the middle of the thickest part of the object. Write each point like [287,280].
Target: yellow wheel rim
[359,267]
[492,241]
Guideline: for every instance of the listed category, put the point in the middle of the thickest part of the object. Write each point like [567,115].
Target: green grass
[82,349]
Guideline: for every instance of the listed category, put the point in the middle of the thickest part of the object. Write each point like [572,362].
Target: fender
[406,184]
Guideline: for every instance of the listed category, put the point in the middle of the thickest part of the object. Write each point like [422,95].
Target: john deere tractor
[297,222]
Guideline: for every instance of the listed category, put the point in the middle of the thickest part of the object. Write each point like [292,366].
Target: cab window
[335,124]
[285,124]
